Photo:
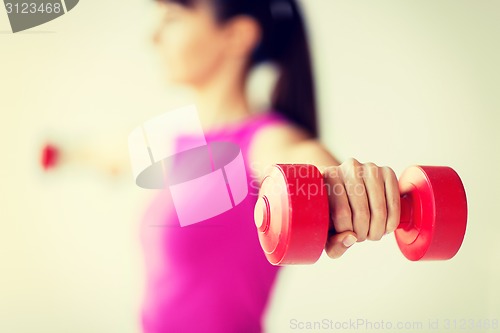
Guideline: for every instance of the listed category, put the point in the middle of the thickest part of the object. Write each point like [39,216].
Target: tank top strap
[240,134]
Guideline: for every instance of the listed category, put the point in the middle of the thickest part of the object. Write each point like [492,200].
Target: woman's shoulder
[270,143]
[278,132]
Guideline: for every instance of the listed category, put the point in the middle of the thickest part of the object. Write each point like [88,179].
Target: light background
[400,83]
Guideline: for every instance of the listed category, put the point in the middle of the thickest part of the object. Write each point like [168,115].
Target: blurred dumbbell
[49,156]
[74,153]
[293,217]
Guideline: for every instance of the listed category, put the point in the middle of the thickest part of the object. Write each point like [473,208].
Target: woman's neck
[222,102]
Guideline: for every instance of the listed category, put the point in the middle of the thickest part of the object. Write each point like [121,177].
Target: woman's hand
[364,204]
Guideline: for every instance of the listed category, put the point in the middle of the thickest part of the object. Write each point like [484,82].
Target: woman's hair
[284,43]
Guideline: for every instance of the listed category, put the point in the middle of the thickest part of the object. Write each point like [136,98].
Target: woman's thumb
[337,244]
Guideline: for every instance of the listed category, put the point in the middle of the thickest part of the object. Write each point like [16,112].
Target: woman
[212,276]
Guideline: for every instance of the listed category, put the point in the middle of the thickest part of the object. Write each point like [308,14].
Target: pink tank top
[211,276]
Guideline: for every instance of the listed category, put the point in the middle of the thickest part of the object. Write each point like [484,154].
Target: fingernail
[349,240]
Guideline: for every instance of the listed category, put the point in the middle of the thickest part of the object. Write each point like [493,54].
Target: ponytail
[294,93]
[287,46]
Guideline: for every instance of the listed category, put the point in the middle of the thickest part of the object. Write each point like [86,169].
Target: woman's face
[190,42]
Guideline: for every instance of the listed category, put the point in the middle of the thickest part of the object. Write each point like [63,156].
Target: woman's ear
[243,34]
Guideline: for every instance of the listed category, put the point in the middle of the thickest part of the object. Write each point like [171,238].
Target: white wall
[69,251]
[401,83]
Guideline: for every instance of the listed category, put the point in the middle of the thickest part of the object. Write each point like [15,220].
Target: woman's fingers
[337,244]
[392,198]
[375,188]
[340,235]
[352,176]
[340,210]
[364,204]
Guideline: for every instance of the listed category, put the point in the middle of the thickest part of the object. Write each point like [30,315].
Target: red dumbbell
[292,214]
[50,156]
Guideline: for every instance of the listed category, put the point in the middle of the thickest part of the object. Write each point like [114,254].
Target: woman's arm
[108,155]
[364,198]
[286,143]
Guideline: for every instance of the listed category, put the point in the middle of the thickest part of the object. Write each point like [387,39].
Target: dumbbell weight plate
[438,212]
[292,214]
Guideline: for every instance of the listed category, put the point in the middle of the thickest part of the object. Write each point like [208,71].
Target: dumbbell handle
[410,204]
[262,215]
[406,221]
